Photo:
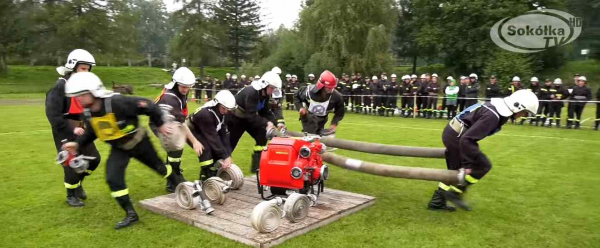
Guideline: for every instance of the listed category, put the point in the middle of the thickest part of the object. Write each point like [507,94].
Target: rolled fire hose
[296,207]
[215,188]
[189,196]
[447,176]
[266,216]
[233,174]
[373,148]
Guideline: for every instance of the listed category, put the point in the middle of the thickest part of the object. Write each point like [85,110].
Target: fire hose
[439,175]
[266,216]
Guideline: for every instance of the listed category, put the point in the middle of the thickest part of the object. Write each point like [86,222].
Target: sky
[273,12]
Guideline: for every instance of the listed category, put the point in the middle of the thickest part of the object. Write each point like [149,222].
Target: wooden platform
[232,219]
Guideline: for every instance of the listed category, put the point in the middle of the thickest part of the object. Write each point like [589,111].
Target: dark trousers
[461,104]
[542,113]
[575,111]
[313,124]
[357,102]
[198,94]
[482,164]
[378,103]
[555,112]
[72,179]
[238,126]
[597,115]
[469,102]
[432,105]
[209,93]
[451,111]
[289,99]
[367,102]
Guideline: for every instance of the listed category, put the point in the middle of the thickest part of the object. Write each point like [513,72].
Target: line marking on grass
[510,135]
[25,132]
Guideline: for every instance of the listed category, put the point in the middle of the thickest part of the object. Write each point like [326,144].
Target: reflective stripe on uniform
[455,189]
[172,159]
[169,170]
[471,179]
[119,193]
[207,162]
[258,148]
[444,186]
[72,186]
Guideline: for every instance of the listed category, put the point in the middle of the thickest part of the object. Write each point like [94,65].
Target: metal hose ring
[233,174]
[266,216]
[296,207]
[184,194]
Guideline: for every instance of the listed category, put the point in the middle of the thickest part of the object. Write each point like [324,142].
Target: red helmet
[327,80]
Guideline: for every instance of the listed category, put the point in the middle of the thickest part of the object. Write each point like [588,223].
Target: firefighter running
[316,101]
[114,119]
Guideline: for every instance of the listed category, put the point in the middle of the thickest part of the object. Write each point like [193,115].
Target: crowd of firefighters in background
[429,96]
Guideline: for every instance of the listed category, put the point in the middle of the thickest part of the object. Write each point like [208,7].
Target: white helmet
[463,77]
[374,77]
[234,77]
[534,79]
[414,76]
[521,100]
[582,78]
[434,75]
[558,81]
[228,74]
[449,78]
[311,75]
[516,79]
[405,77]
[423,76]
[256,77]
[393,76]
[473,75]
[294,76]
[277,70]
[226,98]
[270,78]
[183,76]
[243,76]
[288,76]
[84,82]
[79,56]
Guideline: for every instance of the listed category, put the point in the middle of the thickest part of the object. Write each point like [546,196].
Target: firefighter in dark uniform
[198,89]
[472,90]
[208,87]
[114,119]
[357,92]
[344,88]
[557,95]
[65,116]
[254,114]
[227,82]
[597,122]
[514,87]
[316,101]
[405,97]
[422,96]
[461,137]
[208,125]
[462,92]
[580,94]
[367,95]
[392,95]
[234,85]
[544,108]
[218,87]
[493,89]
[379,89]
[534,87]
[288,86]
[311,79]
[175,96]
[433,90]
[414,92]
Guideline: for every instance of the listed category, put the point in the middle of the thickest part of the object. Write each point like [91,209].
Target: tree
[11,30]
[242,22]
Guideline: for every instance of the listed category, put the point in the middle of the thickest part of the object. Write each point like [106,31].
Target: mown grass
[542,192]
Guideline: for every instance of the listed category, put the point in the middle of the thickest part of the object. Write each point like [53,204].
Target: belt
[137,137]
[457,126]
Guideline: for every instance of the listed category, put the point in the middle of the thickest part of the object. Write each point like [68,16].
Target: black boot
[558,123]
[568,125]
[131,216]
[456,199]
[72,200]
[207,172]
[438,202]
[80,193]
[597,125]
[577,125]
[255,161]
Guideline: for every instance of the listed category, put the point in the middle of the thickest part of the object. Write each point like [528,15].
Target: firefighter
[175,95]
[451,97]
[311,79]
[461,93]
[433,89]
[344,88]
[198,89]
[515,85]
[493,90]
[208,125]
[288,86]
[316,101]
[65,116]
[405,97]
[235,85]
[208,86]
[597,122]
[227,82]
[557,94]
[357,92]
[534,86]
[379,89]
[254,114]
[414,92]
[471,90]
[392,95]
[218,86]
[114,119]
[580,94]
[544,97]
[368,95]
[461,137]
[243,81]
[422,96]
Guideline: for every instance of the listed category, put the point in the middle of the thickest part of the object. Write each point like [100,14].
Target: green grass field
[542,192]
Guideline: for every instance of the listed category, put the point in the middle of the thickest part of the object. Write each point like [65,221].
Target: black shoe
[130,219]
[72,200]
[80,193]
[255,162]
[456,199]
[596,128]
[438,202]
[170,187]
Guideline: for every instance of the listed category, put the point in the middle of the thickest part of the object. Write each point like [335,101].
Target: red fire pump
[290,168]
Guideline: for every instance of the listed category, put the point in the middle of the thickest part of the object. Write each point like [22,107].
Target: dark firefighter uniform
[406,99]
[343,87]
[290,89]
[422,97]
[512,89]
[433,89]
[536,89]
[179,110]
[597,122]
[208,86]
[235,87]
[218,87]
[460,138]
[493,91]
[318,106]
[414,91]
[471,91]
[379,93]
[118,125]
[198,89]
[367,96]
[544,107]
[461,95]
[357,92]
[557,94]
[65,114]
[392,97]
[208,126]
[252,115]
[576,106]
